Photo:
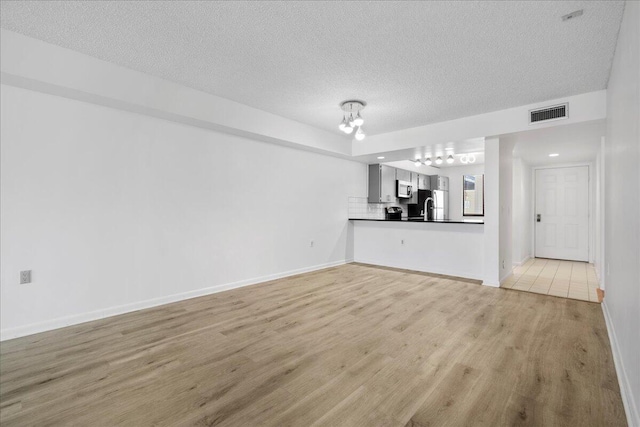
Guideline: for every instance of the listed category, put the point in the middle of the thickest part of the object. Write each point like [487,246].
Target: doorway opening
[557,204]
[561,233]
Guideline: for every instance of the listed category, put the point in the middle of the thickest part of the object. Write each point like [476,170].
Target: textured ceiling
[414,62]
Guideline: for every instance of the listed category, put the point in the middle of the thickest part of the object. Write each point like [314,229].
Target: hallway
[567,279]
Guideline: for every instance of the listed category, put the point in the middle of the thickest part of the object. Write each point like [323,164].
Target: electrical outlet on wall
[503,264]
[311,244]
[25,277]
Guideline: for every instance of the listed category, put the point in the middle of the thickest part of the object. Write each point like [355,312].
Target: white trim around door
[570,236]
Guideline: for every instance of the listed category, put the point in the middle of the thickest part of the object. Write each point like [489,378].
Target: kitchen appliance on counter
[404,189]
[393,213]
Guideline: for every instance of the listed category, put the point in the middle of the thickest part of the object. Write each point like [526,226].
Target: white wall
[114,210]
[455,187]
[599,214]
[522,211]
[33,64]
[622,210]
[506,209]
[452,249]
[528,217]
[498,210]
[491,212]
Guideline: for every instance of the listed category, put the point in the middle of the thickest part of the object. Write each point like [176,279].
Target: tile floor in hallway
[568,279]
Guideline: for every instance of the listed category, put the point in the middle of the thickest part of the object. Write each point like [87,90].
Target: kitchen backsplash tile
[360,208]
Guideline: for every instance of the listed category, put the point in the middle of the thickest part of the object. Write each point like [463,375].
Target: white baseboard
[61,322]
[518,264]
[502,279]
[505,277]
[628,400]
[491,284]
[456,273]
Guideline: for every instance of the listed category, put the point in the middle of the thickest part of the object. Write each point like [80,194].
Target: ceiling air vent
[556,112]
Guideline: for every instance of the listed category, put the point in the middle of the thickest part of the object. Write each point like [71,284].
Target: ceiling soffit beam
[36,65]
[582,108]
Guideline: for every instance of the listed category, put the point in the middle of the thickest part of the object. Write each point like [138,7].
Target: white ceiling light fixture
[428,161]
[380,157]
[450,159]
[417,163]
[348,128]
[554,155]
[343,124]
[351,107]
[358,121]
[438,160]
[348,125]
[467,158]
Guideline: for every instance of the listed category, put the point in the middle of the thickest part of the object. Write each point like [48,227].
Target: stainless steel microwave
[403,189]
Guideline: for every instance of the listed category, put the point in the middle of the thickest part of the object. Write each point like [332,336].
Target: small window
[473,195]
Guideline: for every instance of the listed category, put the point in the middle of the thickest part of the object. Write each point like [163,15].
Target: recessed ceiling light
[554,155]
[380,157]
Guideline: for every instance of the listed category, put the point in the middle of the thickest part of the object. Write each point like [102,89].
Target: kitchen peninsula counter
[420,220]
[454,249]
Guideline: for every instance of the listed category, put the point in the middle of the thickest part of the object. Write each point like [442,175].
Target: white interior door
[562,213]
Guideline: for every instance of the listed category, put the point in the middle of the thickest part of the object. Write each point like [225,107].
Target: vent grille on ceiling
[546,114]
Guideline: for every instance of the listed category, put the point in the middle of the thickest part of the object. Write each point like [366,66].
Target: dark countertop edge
[416,221]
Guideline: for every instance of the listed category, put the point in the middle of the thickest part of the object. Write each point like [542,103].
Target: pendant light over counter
[464,159]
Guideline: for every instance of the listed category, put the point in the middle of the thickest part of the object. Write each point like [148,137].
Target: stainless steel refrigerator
[441,204]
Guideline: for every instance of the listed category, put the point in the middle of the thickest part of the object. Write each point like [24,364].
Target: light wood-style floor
[567,279]
[348,346]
